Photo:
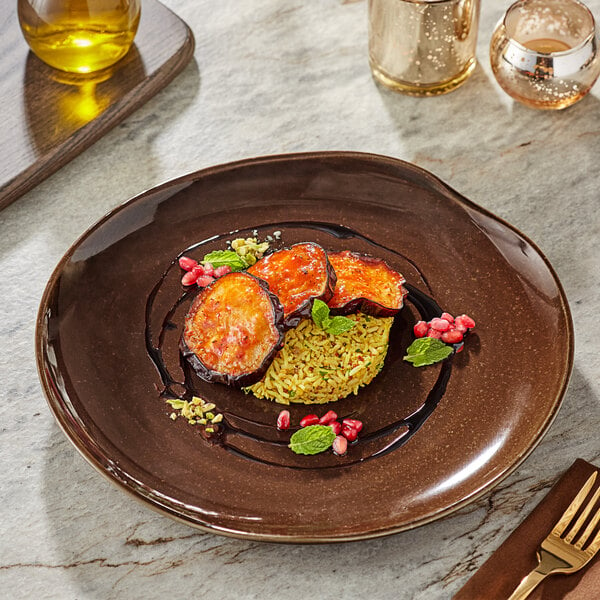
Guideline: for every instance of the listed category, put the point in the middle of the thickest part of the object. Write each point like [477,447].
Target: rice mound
[315,367]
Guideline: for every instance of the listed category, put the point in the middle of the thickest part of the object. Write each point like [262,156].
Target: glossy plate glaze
[504,390]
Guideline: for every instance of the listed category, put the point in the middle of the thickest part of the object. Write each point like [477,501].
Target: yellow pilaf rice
[315,367]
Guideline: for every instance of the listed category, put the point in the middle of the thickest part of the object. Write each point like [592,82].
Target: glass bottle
[79,36]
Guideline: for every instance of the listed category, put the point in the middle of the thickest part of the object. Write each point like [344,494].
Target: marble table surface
[271,77]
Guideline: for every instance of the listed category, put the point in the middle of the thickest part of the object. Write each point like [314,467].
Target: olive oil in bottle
[79,36]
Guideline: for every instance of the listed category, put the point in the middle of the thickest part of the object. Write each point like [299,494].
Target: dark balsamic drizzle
[385,440]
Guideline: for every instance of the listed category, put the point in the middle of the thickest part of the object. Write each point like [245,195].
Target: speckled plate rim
[161,504]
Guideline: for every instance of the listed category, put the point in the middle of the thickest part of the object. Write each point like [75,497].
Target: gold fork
[561,555]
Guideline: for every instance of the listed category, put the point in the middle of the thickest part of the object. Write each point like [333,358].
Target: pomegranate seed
[336,426]
[354,423]
[434,333]
[189,278]
[328,418]
[349,433]
[439,324]
[283,420]
[309,420]
[453,336]
[208,269]
[340,445]
[465,321]
[460,348]
[187,263]
[420,329]
[220,271]
[447,317]
[198,271]
[204,280]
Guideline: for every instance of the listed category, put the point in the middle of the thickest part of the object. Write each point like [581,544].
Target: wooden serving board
[47,117]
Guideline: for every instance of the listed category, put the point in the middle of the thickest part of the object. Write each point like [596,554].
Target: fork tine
[568,515]
[595,545]
[582,517]
[591,526]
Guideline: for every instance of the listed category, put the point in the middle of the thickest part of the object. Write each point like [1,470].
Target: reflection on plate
[504,391]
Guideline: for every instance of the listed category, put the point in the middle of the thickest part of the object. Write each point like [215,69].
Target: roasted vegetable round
[365,284]
[233,330]
[297,275]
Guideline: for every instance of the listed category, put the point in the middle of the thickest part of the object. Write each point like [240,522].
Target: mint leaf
[336,325]
[312,439]
[339,325]
[228,258]
[427,351]
[320,313]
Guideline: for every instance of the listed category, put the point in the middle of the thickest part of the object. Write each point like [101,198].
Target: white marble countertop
[271,77]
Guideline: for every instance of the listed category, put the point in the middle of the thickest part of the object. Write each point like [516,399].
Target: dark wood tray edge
[94,130]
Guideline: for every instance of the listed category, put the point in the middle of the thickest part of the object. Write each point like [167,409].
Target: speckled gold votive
[544,53]
[423,47]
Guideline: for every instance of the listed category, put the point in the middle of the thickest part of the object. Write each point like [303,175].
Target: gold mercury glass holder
[423,47]
[544,53]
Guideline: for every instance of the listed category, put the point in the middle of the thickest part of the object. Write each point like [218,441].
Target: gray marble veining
[271,77]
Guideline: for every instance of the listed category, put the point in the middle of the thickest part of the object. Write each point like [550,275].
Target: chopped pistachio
[196,411]
[249,249]
[176,403]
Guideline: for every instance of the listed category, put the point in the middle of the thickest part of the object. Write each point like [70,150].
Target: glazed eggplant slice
[297,275]
[365,284]
[233,330]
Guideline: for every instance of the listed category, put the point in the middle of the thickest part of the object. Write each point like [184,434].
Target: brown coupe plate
[114,291]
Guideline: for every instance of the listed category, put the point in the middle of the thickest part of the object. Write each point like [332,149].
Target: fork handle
[528,584]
